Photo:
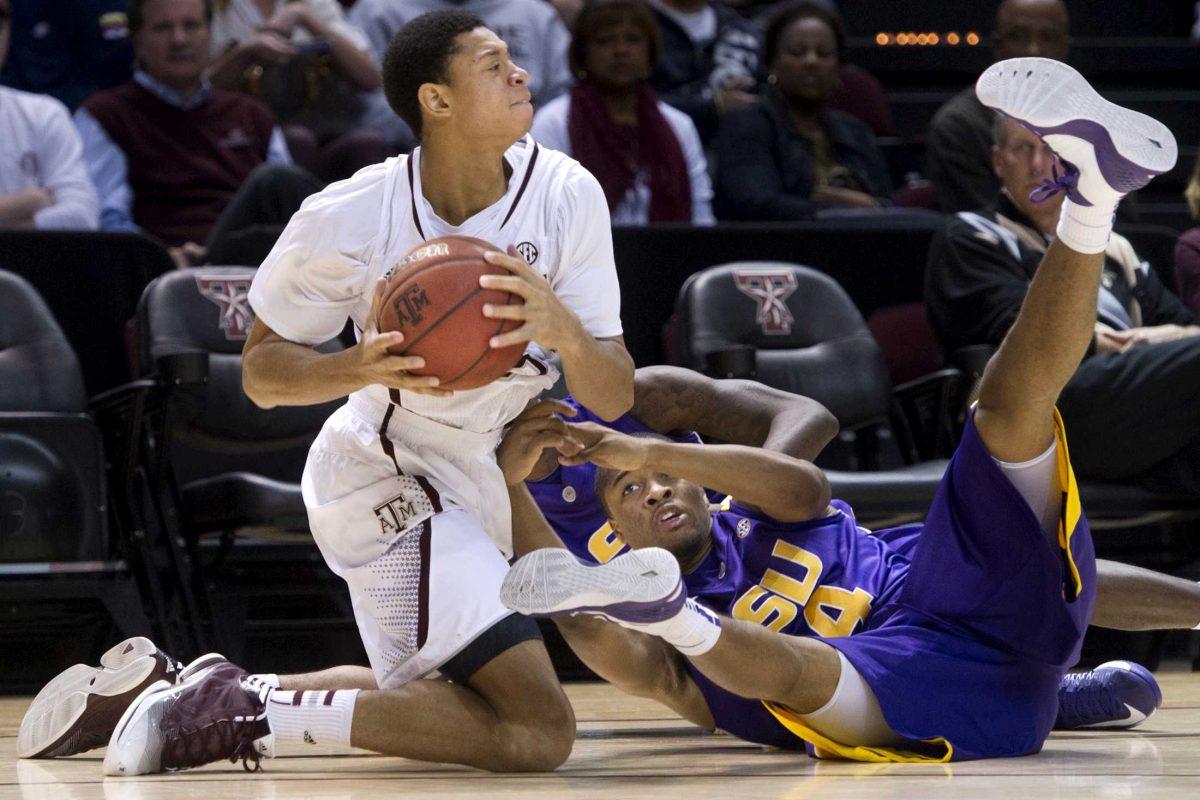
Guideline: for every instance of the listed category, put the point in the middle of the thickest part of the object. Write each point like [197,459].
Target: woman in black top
[788,156]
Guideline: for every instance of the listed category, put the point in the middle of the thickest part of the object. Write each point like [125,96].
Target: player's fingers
[508,283]
[519,336]
[511,261]
[505,312]
[402,363]
[411,382]
[546,408]
[384,342]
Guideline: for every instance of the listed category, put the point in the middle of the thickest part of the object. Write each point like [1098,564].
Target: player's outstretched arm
[599,372]
[669,399]
[785,488]
[279,372]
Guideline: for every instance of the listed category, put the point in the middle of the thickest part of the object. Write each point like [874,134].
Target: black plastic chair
[810,339]
[229,471]
[54,511]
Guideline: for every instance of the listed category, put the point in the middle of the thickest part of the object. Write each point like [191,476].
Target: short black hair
[135,14]
[420,53]
[783,18]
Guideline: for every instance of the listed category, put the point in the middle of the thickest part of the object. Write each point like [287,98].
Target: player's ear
[434,99]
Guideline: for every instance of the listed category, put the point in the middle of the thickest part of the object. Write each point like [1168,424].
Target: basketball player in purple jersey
[964,627]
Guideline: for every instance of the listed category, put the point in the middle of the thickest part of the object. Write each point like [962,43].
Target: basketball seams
[466,252]
[486,353]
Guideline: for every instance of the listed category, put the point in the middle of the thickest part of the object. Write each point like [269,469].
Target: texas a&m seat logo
[231,296]
[770,288]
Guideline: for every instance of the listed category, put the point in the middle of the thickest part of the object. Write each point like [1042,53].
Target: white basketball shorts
[401,511]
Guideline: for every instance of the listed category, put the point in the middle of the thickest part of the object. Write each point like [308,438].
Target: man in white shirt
[43,181]
[405,498]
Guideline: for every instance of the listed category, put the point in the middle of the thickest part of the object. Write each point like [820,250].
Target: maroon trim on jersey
[385,442]
[435,499]
[423,585]
[537,364]
[524,182]
[412,195]
[297,698]
[328,701]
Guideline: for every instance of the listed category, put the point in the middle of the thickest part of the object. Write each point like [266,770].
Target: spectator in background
[709,63]
[307,63]
[68,49]
[790,156]
[1187,249]
[168,153]
[1130,409]
[43,183]
[959,142]
[536,36]
[646,155]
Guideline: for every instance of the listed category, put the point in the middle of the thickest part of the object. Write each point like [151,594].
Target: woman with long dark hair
[646,155]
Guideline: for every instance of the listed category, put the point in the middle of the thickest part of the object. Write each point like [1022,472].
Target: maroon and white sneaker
[218,713]
[78,709]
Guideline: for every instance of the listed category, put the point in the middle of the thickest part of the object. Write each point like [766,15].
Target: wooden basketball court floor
[629,748]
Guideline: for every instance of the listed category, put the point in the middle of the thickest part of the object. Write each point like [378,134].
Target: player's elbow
[618,396]
[252,383]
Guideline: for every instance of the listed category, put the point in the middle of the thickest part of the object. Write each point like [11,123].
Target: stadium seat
[54,526]
[811,340]
[233,468]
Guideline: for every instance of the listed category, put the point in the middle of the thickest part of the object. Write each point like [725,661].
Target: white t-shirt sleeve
[550,125]
[317,272]
[697,167]
[586,280]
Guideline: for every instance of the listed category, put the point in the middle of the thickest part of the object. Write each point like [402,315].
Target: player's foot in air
[1107,151]
[217,713]
[1118,694]
[78,709]
[640,587]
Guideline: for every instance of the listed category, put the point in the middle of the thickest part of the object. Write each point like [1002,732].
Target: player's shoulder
[360,195]
[561,176]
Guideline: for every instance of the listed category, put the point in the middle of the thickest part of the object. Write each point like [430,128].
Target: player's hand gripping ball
[433,297]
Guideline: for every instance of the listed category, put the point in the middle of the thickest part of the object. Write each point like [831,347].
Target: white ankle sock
[268,678]
[693,631]
[1085,229]
[317,717]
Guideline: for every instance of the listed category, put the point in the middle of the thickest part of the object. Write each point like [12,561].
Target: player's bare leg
[1130,598]
[642,590]
[1107,151]
[510,716]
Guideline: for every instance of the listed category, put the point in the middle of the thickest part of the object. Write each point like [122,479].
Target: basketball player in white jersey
[404,495]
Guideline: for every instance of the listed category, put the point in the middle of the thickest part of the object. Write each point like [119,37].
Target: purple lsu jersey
[567,497]
[826,577]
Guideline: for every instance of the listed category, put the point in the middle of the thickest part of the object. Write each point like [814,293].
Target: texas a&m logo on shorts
[231,296]
[770,289]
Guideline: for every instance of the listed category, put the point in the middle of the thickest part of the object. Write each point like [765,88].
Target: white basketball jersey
[324,267]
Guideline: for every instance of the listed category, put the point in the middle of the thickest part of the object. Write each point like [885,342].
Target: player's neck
[459,180]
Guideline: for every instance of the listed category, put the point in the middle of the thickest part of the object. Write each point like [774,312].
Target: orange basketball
[434,298]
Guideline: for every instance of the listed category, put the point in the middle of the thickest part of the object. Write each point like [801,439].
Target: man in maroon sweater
[174,157]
